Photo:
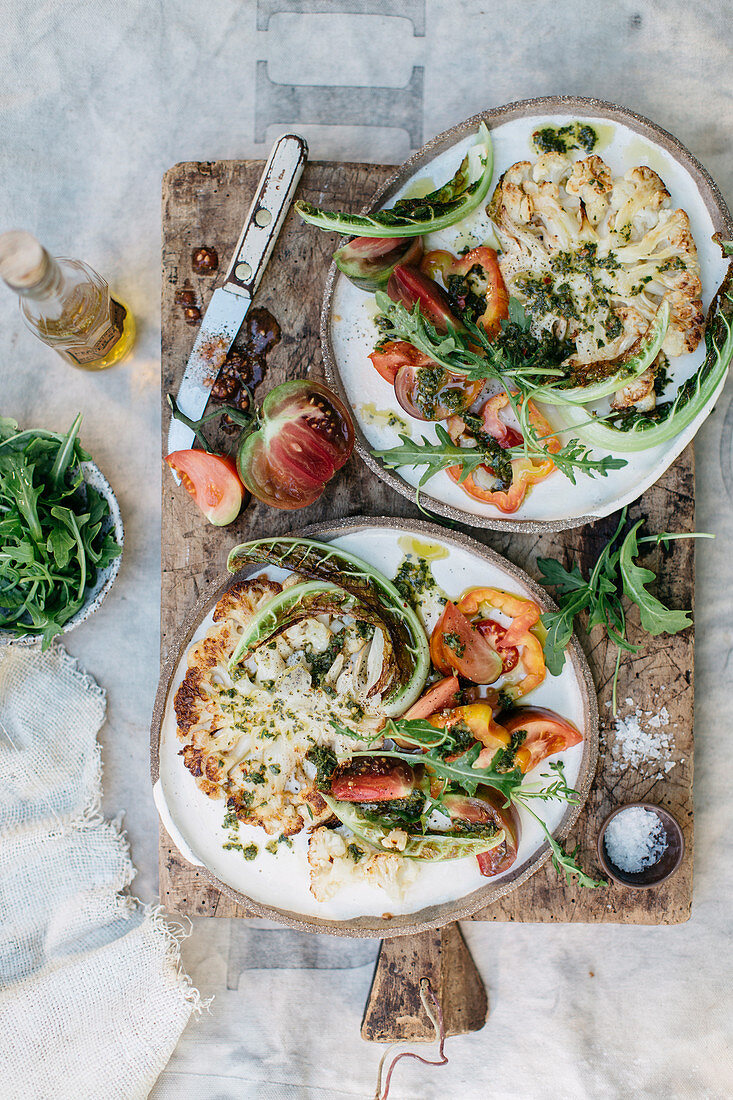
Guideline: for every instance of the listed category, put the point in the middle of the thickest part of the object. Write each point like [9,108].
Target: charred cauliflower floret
[336,862]
[591,257]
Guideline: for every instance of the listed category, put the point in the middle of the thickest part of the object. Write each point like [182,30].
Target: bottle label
[88,353]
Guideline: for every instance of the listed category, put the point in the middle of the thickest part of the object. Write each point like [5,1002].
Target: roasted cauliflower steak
[591,257]
[246,731]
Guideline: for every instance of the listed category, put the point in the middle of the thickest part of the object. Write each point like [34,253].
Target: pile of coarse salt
[642,740]
[635,839]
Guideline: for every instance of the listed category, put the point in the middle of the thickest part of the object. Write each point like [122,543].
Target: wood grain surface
[394,1011]
[204,204]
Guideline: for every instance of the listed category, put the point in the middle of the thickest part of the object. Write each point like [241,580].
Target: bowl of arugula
[61,533]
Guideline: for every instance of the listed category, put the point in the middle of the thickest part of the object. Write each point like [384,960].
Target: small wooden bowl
[658,872]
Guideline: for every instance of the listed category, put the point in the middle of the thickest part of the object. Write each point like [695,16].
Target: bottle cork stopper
[23,261]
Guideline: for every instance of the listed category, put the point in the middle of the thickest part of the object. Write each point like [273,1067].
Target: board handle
[394,1011]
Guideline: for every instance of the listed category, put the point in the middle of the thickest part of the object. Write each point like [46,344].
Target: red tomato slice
[456,645]
[212,481]
[421,396]
[441,695]
[547,733]
[369,261]
[395,354]
[373,779]
[492,287]
[409,285]
[496,634]
[305,436]
[488,806]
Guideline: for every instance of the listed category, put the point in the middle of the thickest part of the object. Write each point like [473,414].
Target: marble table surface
[97,99]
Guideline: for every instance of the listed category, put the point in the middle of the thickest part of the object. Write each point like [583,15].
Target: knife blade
[229,303]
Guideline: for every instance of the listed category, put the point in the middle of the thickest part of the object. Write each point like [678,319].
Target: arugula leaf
[435,456]
[655,617]
[559,577]
[614,574]
[559,626]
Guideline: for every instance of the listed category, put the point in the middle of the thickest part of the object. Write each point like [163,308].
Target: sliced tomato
[373,779]
[497,635]
[441,695]
[409,285]
[212,481]
[478,274]
[388,358]
[368,262]
[547,733]
[481,271]
[487,806]
[430,393]
[479,717]
[305,436]
[456,645]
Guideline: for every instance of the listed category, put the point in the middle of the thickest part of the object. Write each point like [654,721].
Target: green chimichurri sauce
[561,139]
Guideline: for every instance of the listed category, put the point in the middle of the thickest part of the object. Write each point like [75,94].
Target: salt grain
[635,839]
[643,741]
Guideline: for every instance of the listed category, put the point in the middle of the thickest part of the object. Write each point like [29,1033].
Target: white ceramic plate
[349,333]
[278,886]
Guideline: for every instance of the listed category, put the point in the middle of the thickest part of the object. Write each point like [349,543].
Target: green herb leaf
[655,617]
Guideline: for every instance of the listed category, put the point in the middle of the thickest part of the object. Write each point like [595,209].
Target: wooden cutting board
[204,204]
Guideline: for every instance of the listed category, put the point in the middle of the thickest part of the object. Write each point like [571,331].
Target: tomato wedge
[389,357]
[547,733]
[456,645]
[497,636]
[479,717]
[409,285]
[368,262]
[481,274]
[518,638]
[305,436]
[212,481]
[438,697]
[474,283]
[430,393]
[423,388]
[485,807]
[373,779]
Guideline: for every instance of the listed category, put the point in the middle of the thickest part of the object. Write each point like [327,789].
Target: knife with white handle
[229,303]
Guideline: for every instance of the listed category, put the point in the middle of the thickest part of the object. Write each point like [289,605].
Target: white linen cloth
[92,998]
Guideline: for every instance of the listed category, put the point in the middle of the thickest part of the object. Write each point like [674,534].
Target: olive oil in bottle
[66,304]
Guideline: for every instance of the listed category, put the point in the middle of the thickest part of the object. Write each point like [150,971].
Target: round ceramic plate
[349,334]
[106,577]
[277,886]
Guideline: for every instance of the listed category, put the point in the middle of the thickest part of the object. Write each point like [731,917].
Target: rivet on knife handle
[266,214]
